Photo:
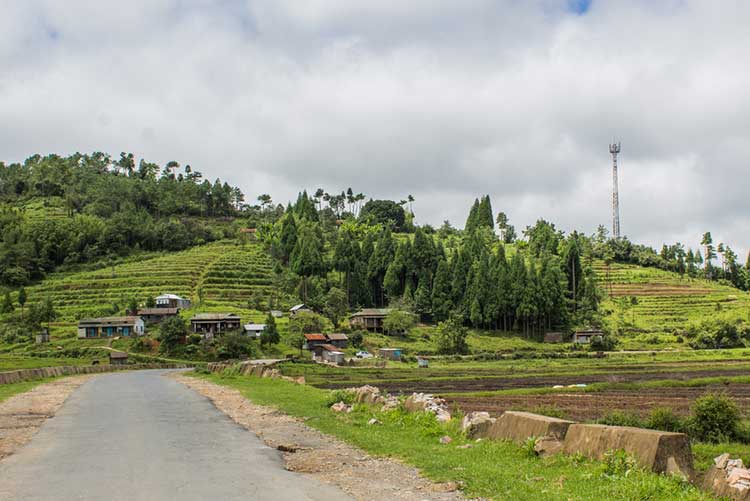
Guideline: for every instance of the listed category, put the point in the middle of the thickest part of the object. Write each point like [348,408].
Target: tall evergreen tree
[442,302]
[288,236]
[377,267]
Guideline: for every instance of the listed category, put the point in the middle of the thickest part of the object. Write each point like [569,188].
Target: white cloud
[446,100]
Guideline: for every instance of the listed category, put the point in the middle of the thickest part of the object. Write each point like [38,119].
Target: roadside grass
[11,363]
[8,390]
[496,470]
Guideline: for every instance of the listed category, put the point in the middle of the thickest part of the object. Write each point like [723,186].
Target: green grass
[496,470]
[11,363]
[8,390]
[667,303]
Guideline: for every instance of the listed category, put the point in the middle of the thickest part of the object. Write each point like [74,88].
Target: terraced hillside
[227,273]
[649,301]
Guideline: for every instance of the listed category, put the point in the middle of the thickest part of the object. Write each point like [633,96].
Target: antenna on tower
[614,149]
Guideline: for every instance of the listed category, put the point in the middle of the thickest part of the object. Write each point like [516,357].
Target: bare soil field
[582,406]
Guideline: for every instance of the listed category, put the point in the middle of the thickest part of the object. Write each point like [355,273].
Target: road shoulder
[21,415]
[321,456]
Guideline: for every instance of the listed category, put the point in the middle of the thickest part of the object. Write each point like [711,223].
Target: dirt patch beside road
[21,415]
[323,457]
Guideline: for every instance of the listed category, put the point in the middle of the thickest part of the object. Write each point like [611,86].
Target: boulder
[366,394]
[424,402]
[341,407]
[390,403]
[446,439]
[518,426]
[728,478]
[477,424]
[658,451]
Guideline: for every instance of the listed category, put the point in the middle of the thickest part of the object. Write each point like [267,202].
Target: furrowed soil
[582,406]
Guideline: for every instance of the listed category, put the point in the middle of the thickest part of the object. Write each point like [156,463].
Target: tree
[442,303]
[7,305]
[306,322]
[336,305]
[288,236]
[270,334]
[385,212]
[231,345]
[450,337]
[398,322]
[22,298]
[172,333]
[709,253]
[306,259]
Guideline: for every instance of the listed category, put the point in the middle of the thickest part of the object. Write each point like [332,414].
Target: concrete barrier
[658,451]
[519,426]
[69,370]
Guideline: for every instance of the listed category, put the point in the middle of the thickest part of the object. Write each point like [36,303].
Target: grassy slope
[666,303]
[8,390]
[497,470]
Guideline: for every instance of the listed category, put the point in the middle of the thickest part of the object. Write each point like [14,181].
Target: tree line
[110,207]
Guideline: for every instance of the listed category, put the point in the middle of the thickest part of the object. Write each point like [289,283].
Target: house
[156,315]
[118,358]
[313,340]
[390,353]
[423,363]
[553,337]
[298,308]
[327,353]
[111,327]
[254,330]
[276,314]
[172,301]
[338,340]
[369,318]
[209,324]
[585,337]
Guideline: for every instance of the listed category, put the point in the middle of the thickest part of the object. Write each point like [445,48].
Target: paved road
[141,436]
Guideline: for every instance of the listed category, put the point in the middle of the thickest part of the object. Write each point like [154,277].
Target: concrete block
[658,451]
[518,426]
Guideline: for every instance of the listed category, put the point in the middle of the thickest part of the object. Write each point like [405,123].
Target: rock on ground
[324,457]
[21,415]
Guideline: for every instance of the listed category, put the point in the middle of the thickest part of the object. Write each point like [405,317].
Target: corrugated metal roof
[169,296]
[129,320]
[337,337]
[298,307]
[315,337]
[255,327]
[117,354]
[372,312]
[158,311]
[215,316]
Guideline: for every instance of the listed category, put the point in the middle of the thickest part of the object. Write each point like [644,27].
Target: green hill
[650,307]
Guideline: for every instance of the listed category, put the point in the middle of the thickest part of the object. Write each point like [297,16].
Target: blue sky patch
[579,7]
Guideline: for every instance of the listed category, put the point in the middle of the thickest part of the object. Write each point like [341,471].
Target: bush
[715,418]
[619,418]
[550,411]
[357,338]
[664,419]
[337,396]
[529,447]
[618,463]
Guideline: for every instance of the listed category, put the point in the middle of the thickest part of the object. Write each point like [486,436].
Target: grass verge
[491,469]
[8,390]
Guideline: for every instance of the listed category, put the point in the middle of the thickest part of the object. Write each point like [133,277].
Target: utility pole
[614,149]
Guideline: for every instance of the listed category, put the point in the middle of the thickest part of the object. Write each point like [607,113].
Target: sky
[446,100]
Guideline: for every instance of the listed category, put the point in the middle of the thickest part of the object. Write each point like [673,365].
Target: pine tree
[378,264]
[306,259]
[422,299]
[484,213]
[442,303]
[288,236]
[472,220]
[22,298]
[270,334]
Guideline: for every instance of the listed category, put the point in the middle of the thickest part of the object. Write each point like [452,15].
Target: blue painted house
[111,327]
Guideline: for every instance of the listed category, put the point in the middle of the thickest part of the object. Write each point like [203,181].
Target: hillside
[228,274]
[665,303]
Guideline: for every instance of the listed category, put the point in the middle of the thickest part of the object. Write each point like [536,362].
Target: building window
[126,331]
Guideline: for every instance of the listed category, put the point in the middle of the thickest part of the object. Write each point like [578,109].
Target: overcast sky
[446,100]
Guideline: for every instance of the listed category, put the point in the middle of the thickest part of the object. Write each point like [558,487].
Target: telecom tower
[614,149]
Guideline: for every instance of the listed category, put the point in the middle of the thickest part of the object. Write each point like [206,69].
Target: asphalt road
[141,436]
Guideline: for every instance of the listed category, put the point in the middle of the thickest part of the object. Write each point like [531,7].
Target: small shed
[276,314]
[172,301]
[338,340]
[390,353]
[585,337]
[210,324]
[333,357]
[156,315]
[423,363]
[369,318]
[118,358]
[254,330]
[553,337]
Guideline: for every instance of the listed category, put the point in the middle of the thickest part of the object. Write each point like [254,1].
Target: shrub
[618,463]
[619,418]
[529,447]
[664,419]
[550,410]
[715,418]
[340,396]
[357,338]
